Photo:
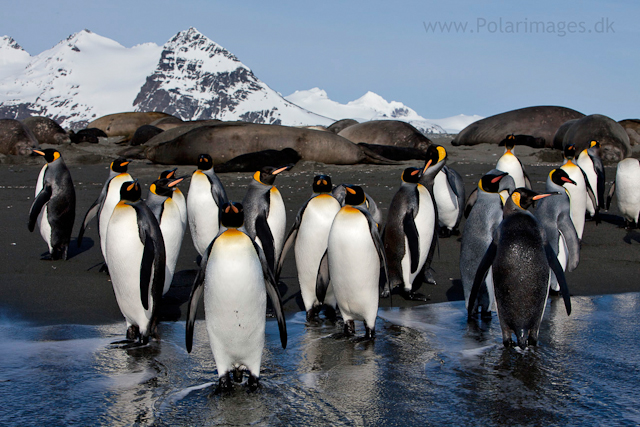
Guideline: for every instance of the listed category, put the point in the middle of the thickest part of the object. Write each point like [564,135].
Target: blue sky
[580,54]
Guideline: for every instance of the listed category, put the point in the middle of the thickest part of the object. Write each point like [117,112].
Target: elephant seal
[613,139]
[340,125]
[632,127]
[223,142]
[395,153]
[386,132]
[539,122]
[125,124]
[143,134]
[16,138]
[89,135]
[561,132]
[167,123]
[252,162]
[46,131]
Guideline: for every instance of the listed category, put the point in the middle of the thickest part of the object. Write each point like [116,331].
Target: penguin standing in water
[235,280]
[206,196]
[54,206]
[136,258]
[554,214]
[520,258]
[627,191]
[579,192]
[483,219]
[511,164]
[409,235]
[178,196]
[106,201]
[591,164]
[352,263]
[448,192]
[265,214]
[168,214]
[310,234]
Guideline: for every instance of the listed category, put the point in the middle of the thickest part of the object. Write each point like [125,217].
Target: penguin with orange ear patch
[511,164]
[520,257]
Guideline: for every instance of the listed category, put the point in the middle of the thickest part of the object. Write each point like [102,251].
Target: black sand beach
[75,292]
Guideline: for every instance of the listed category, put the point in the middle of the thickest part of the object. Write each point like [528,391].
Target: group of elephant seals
[143,134]
[46,130]
[541,122]
[252,162]
[632,127]
[613,139]
[125,124]
[16,138]
[338,126]
[89,135]
[387,132]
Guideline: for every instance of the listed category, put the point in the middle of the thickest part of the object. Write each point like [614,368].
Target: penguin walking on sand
[449,195]
[177,196]
[591,164]
[235,280]
[206,196]
[511,164]
[483,219]
[54,206]
[627,191]
[136,258]
[554,215]
[265,216]
[106,201]
[408,235]
[169,217]
[352,263]
[310,234]
[520,257]
[579,192]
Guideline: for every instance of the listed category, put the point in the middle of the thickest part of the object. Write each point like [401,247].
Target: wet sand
[75,292]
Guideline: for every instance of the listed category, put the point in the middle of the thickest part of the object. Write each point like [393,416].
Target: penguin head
[205,162]
[569,152]
[322,184]
[524,198]
[130,191]
[411,175]
[267,175]
[594,143]
[50,154]
[119,165]
[165,186]
[490,182]
[509,142]
[232,215]
[169,174]
[434,155]
[354,195]
[560,177]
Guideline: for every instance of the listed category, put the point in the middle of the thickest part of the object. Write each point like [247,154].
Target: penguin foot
[386,292]
[444,232]
[224,386]
[330,313]
[312,315]
[370,333]
[253,384]
[46,257]
[428,277]
[413,296]
[349,328]
[237,375]
[104,268]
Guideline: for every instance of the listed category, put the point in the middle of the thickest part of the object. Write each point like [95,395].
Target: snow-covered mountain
[373,107]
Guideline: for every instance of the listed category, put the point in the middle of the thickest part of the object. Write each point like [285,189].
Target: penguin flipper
[274,294]
[194,299]
[599,168]
[592,196]
[612,191]
[411,232]
[290,239]
[473,197]
[527,180]
[217,191]
[377,241]
[323,278]
[263,232]
[91,213]
[562,281]
[154,258]
[456,184]
[481,273]
[146,268]
[568,231]
[42,198]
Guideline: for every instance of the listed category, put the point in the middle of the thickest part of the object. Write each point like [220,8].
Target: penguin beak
[569,180]
[542,196]
[417,171]
[282,169]
[172,173]
[176,181]
[38,152]
[499,177]
[426,166]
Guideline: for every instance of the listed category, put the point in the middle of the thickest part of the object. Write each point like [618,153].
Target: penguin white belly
[172,233]
[179,199]
[510,164]
[446,201]
[202,211]
[425,222]
[235,303]
[354,266]
[277,220]
[577,196]
[110,201]
[586,164]
[124,256]
[311,244]
[628,188]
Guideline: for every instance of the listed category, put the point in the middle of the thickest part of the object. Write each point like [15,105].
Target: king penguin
[167,212]
[340,192]
[235,280]
[178,196]
[352,263]
[265,214]
[554,215]
[520,258]
[54,206]
[206,196]
[408,235]
[579,192]
[511,164]
[106,201]
[449,195]
[136,258]
[626,188]
[591,164]
[483,219]
[310,234]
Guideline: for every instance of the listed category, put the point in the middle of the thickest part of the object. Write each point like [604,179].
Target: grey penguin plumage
[54,206]
[554,215]
[520,257]
[235,279]
[135,254]
[483,219]
[591,164]
[206,196]
[309,235]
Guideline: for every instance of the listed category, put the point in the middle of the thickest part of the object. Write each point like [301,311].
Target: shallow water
[427,366]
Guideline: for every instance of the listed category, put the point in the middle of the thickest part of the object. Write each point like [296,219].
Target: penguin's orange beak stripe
[234,209]
[176,182]
[541,196]
[497,178]
[351,190]
[124,163]
[415,172]
[569,180]
[426,166]
[277,171]
[39,152]
[129,188]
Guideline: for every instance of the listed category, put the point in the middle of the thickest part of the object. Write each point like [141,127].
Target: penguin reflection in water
[136,257]
[54,207]
[235,280]
[520,257]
